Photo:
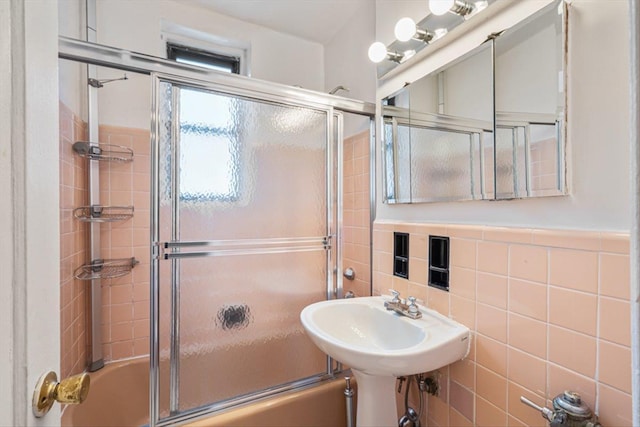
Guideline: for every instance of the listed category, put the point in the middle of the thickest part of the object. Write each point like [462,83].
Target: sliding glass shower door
[245,232]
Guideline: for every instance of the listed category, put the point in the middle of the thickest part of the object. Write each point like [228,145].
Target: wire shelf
[99,213]
[104,152]
[105,269]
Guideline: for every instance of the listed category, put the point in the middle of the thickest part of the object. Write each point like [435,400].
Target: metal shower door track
[97,54]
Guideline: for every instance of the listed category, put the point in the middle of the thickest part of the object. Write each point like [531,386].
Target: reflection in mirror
[437,130]
[530,106]
[396,143]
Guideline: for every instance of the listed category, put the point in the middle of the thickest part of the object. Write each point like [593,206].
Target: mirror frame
[396,115]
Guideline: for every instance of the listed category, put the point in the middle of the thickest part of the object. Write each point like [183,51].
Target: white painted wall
[345,56]
[347,64]
[598,126]
[136,25]
[72,75]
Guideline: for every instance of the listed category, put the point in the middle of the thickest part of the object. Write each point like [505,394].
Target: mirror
[438,132]
[396,143]
[529,90]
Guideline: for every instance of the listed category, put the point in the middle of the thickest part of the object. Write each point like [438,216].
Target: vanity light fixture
[459,7]
[406,29]
[411,37]
[378,52]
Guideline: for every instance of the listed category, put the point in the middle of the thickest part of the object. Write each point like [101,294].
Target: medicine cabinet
[489,125]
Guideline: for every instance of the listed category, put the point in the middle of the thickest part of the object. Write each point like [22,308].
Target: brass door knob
[71,390]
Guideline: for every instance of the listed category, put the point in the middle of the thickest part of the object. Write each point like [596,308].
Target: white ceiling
[315,20]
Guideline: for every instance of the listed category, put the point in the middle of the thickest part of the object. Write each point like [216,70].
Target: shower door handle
[178,250]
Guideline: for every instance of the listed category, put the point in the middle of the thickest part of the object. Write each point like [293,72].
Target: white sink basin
[379,345]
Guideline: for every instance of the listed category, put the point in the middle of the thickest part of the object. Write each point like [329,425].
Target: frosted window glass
[269,160]
[253,163]
[209,162]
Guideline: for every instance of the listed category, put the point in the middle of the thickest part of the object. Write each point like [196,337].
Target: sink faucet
[410,310]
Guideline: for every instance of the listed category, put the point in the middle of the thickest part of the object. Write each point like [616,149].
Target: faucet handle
[395,294]
[547,413]
[413,307]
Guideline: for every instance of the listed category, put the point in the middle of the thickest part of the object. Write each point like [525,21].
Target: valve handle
[413,307]
[546,413]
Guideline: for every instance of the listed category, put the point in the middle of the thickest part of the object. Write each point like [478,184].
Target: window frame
[213,59]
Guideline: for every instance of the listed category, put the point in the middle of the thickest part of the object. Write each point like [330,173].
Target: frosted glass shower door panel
[249,169]
[431,150]
[511,164]
[239,324]
[398,155]
[246,211]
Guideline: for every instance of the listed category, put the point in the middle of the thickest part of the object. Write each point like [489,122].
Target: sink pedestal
[376,400]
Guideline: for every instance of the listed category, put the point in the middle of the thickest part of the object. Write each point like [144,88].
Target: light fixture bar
[406,29]
[424,35]
[461,7]
[395,56]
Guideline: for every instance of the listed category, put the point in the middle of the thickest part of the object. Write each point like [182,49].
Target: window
[209,152]
[203,58]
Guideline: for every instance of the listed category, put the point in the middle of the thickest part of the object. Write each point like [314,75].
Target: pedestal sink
[379,345]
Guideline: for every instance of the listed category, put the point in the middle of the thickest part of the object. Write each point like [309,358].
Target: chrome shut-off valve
[568,410]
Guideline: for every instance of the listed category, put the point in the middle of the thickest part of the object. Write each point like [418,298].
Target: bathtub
[119,396]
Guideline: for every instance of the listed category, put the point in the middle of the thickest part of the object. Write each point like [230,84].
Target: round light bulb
[405,29]
[377,52]
[440,7]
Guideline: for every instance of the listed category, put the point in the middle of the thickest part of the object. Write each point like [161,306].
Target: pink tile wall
[548,309]
[356,222]
[125,300]
[544,165]
[73,293]
[125,311]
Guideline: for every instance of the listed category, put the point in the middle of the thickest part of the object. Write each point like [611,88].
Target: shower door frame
[331,244]
[112,57]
